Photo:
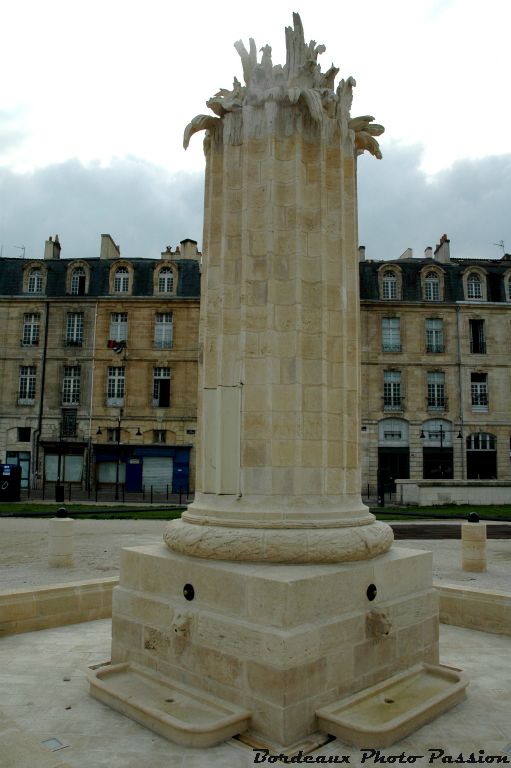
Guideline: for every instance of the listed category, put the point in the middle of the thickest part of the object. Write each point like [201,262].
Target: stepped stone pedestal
[278,640]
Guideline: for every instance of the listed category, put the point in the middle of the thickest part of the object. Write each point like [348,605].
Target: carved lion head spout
[378,623]
[299,81]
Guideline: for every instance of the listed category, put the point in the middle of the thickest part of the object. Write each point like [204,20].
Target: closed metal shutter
[157,471]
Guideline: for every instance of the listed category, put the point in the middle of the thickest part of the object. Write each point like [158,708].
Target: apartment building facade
[98,367]
[436,374]
[98,364]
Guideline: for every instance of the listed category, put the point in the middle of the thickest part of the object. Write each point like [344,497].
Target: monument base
[280,641]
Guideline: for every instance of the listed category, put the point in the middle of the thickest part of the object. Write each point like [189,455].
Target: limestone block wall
[26,610]
[475,608]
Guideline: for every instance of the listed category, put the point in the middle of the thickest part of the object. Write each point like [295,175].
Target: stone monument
[278,592]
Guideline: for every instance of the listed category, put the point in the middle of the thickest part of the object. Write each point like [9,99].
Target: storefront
[165,469]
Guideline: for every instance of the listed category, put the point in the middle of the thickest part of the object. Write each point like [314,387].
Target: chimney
[109,250]
[408,254]
[428,253]
[52,248]
[189,249]
[361,253]
[442,251]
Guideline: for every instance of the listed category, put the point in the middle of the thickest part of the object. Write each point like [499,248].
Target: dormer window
[389,285]
[35,281]
[165,280]
[474,286]
[432,287]
[121,280]
[78,282]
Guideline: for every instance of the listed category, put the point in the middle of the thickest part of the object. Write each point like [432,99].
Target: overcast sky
[95,95]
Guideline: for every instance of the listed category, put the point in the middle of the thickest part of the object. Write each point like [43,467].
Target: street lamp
[442,433]
[138,433]
[118,436]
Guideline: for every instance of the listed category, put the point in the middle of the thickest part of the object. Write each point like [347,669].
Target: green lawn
[105,512]
[501,512]
[90,511]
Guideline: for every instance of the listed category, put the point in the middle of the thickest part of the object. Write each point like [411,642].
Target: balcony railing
[393,403]
[73,342]
[478,347]
[435,348]
[392,348]
[29,342]
[436,403]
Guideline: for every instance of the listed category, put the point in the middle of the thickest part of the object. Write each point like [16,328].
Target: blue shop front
[140,468]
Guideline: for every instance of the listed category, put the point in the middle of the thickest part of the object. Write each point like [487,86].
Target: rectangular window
[434,335]
[31,327]
[436,390]
[68,426]
[71,385]
[392,390]
[479,391]
[159,435]
[119,326]
[161,387]
[163,330]
[115,386]
[391,334]
[74,329]
[477,337]
[24,434]
[26,389]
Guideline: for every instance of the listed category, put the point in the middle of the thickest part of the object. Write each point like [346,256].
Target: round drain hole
[388,701]
[169,701]
[371,592]
[188,592]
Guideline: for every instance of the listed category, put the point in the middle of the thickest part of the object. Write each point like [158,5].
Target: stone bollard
[473,545]
[60,545]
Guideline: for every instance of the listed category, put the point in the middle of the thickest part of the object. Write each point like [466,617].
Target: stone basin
[175,711]
[390,710]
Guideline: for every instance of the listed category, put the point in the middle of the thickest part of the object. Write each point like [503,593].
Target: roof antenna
[500,244]
[21,248]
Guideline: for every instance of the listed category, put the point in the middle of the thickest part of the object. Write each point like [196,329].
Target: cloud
[145,208]
[400,206]
[11,132]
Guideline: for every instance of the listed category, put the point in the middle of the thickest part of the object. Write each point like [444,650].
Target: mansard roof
[11,276]
[453,271]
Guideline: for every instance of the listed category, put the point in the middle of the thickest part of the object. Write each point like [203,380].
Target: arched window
[389,285]
[481,441]
[121,280]
[481,456]
[432,287]
[165,280]
[474,287]
[35,281]
[393,432]
[78,282]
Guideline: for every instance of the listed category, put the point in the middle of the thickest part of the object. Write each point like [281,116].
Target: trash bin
[10,482]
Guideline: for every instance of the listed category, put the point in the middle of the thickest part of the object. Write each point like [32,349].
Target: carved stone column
[278,459]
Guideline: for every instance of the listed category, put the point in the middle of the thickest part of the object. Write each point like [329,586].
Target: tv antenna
[20,248]
[500,244]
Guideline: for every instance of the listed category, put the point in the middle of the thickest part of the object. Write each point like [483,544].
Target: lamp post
[442,433]
[118,436]
[59,488]
[118,447]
